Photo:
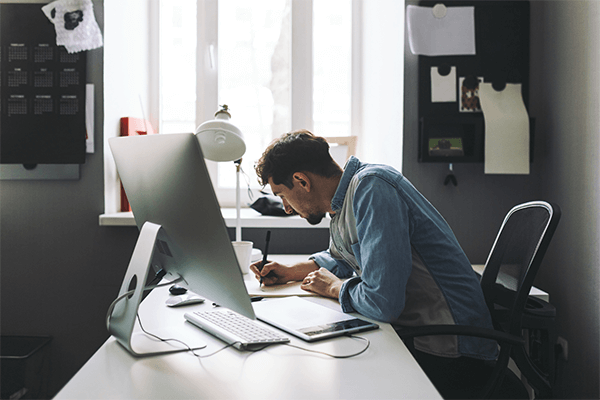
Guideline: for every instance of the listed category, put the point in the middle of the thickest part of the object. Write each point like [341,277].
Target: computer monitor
[181,227]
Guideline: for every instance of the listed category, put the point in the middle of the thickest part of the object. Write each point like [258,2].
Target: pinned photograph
[446,147]
[469,94]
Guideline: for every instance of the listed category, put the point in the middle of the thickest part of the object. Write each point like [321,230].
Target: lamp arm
[238,205]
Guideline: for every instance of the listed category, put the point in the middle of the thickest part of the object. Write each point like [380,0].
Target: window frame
[207,65]
[378,94]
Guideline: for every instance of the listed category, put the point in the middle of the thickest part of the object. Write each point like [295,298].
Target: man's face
[298,200]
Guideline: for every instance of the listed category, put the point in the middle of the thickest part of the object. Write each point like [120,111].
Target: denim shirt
[403,263]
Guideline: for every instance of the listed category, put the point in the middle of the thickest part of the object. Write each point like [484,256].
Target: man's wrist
[304,268]
[334,290]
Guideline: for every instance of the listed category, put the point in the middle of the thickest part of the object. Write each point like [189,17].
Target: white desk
[386,370]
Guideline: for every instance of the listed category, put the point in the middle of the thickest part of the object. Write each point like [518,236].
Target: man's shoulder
[383,171]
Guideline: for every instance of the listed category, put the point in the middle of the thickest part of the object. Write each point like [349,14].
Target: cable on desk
[255,350]
[179,341]
[333,355]
[150,287]
[159,276]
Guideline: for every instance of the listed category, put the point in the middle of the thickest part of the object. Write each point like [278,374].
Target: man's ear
[302,180]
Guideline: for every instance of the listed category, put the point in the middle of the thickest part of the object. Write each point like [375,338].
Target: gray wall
[475,207]
[564,95]
[59,269]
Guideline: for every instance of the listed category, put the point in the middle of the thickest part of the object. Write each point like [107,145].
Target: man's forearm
[302,269]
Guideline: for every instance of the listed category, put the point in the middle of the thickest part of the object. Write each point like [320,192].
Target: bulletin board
[42,91]
[451,122]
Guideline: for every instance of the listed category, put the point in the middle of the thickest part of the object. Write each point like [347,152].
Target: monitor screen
[167,183]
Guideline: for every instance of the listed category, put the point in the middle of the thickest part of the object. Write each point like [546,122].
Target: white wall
[382,82]
[130,76]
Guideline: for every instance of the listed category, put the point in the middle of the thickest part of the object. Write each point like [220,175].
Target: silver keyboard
[235,329]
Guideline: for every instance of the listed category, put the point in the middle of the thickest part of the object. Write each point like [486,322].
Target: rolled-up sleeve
[337,267]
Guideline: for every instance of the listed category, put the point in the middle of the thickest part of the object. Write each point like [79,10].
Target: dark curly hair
[297,151]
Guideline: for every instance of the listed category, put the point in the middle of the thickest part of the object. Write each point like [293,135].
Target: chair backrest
[341,148]
[515,259]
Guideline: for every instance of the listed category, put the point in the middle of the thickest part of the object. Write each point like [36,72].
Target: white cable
[112,305]
[333,355]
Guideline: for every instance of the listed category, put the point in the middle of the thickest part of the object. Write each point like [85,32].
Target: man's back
[410,268]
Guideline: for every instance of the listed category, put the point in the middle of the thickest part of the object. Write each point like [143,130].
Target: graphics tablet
[307,320]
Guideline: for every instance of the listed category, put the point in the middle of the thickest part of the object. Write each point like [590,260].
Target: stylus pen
[265,254]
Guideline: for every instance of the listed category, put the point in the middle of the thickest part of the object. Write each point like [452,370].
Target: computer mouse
[184,300]
[177,290]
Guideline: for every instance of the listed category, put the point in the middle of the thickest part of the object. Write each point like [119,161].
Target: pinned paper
[439,34]
[75,24]
[443,86]
[506,130]
[89,118]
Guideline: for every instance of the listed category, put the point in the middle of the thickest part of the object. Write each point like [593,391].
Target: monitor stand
[122,318]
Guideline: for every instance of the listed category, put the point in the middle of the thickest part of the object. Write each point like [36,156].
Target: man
[392,257]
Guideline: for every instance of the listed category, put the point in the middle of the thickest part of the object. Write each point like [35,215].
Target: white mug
[243,252]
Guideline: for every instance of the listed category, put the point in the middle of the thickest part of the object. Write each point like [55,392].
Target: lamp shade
[219,139]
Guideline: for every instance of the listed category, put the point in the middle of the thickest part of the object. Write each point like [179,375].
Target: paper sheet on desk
[289,289]
[506,130]
[454,34]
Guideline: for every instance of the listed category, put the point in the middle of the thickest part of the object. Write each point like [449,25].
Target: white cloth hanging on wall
[75,24]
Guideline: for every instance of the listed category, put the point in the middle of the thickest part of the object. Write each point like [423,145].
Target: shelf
[249,217]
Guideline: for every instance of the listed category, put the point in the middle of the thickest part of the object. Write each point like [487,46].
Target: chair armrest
[462,330]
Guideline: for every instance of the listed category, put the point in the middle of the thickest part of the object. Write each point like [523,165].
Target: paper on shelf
[454,34]
[506,130]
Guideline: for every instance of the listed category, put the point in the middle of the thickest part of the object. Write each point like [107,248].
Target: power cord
[153,285]
[247,179]
[333,355]
[179,341]
[258,349]
[158,277]
[149,287]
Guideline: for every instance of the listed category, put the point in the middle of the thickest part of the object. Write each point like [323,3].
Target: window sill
[249,217]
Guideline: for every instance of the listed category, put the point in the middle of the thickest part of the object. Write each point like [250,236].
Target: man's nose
[287,207]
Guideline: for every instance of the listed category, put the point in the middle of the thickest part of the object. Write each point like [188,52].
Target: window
[177,66]
[278,64]
[172,78]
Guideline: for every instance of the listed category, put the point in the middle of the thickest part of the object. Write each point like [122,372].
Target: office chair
[508,276]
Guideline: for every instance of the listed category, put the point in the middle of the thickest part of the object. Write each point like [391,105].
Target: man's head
[300,170]
[293,152]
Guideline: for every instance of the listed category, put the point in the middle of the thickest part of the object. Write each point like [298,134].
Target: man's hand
[273,273]
[322,282]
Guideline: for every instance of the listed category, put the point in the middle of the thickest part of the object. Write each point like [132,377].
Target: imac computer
[182,232]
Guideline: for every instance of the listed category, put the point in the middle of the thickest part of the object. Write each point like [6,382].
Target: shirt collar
[350,169]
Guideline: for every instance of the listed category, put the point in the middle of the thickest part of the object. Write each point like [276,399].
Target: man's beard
[315,219]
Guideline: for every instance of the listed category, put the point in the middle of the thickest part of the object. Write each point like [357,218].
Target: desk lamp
[221,140]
